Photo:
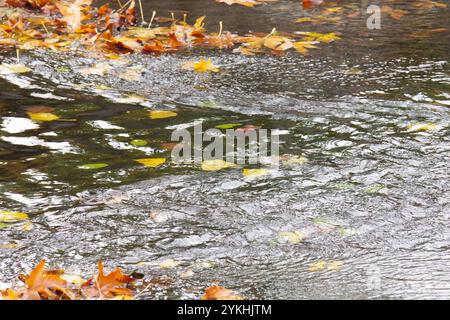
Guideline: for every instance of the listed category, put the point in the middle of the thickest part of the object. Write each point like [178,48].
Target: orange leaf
[220,293]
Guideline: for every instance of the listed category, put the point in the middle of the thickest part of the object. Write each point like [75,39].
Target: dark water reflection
[373,199]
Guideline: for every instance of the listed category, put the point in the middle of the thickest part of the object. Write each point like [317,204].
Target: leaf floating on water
[216,165]
[11,216]
[73,278]
[162,114]
[321,37]
[421,127]
[151,162]
[220,293]
[228,125]
[205,66]
[320,265]
[42,116]
[93,166]
[169,264]
[293,237]
[254,173]
[376,188]
[139,142]
[290,159]
[6,68]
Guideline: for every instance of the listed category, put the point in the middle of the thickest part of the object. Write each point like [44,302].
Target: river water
[372,201]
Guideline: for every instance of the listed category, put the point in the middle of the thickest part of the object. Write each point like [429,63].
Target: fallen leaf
[220,293]
[162,114]
[139,142]
[253,173]
[42,116]
[6,68]
[11,216]
[421,126]
[228,125]
[293,237]
[93,166]
[205,66]
[320,265]
[151,162]
[215,165]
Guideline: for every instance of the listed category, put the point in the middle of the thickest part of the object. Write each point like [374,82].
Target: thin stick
[151,20]
[271,33]
[184,17]
[120,3]
[173,16]
[46,30]
[120,9]
[142,11]
[221,28]
[18,55]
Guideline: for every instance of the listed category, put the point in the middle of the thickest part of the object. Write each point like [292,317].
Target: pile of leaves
[69,25]
[42,284]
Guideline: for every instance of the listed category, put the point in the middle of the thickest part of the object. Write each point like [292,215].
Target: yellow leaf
[215,165]
[9,216]
[205,66]
[293,237]
[162,114]
[331,265]
[6,68]
[42,116]
[169,264]
[421,126]
[151,162]
[255,172]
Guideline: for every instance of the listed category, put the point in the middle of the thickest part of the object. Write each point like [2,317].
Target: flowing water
[372,200]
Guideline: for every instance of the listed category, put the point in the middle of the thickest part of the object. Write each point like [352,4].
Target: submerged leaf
[253,173]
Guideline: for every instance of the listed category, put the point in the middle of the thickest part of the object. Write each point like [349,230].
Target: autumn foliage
[62,25]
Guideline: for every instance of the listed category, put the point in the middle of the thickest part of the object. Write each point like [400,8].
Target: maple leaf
[205,66]
[8,294]
[396,14]
[107,286]
[246,3]
[42,285]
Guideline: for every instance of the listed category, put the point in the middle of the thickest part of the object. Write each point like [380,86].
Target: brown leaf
[220,293]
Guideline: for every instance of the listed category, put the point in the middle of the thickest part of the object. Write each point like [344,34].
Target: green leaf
[93,166]
[228,125]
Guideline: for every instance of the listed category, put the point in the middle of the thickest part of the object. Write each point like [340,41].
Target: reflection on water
[371,203]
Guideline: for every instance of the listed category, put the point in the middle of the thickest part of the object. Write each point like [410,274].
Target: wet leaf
[320,265]
[421,127]
[41,285]
[42,116]
[169,264]
[93,166]
[107,286]
[293,237]
[8,294]
[228,125]
[205,66]
[139,142]
[253,173]
[152,162]
[220,293]
[11,216]
[162,114]
[6,68]
[216,165]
